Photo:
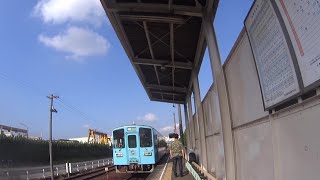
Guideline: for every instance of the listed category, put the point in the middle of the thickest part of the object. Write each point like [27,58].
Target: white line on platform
[164,169]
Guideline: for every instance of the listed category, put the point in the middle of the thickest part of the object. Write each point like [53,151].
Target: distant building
[12,131]
[80,139]
[35,138]
[168,140]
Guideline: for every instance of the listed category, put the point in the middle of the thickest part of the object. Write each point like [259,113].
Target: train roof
[135,125]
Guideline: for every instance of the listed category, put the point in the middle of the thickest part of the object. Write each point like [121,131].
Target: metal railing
[195,173]
[44,171]
[203,171]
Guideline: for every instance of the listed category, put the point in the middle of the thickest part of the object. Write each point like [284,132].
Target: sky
[69,48]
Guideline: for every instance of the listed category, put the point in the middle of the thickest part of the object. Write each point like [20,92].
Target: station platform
[163,171]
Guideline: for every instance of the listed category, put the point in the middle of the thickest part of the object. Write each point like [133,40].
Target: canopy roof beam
[161,19]
[162,41]
[164,63]
[151,51]
[162,37]
[169,93]
[152,8]
[167,100]
[164,28]
[164,87]
[172,54]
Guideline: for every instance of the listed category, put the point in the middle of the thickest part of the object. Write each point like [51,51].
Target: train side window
[132,141]
[156,141]
[118,138]
[145,137]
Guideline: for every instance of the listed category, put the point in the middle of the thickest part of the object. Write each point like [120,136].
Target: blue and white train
[137,148]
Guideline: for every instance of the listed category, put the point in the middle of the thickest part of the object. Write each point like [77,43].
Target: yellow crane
[95,136]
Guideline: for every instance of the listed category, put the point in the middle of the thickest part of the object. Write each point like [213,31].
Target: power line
[22,83]
[67,106]
[74,109]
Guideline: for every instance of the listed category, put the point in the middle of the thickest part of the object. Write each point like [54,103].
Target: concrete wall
[297,142]
[252,141]
[214,141]
[196,147]
[282,145]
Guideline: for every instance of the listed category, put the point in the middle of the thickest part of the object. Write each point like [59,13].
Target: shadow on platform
[164,171]
[185,174]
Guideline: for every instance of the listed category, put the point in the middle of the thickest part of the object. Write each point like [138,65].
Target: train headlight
[147,153]
[119,154]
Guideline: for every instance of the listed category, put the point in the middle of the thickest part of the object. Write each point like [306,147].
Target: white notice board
[302,20]
[276,71]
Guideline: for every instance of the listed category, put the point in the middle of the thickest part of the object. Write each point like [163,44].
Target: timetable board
[302,20]
[273,58]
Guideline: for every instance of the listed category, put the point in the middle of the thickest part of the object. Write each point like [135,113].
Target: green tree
[21,150]
[184,139]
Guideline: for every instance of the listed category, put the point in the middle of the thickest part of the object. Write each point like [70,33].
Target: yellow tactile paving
[168,172]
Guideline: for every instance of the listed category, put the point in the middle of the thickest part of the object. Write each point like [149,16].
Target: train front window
[118,138]
[145,137]
[132,141]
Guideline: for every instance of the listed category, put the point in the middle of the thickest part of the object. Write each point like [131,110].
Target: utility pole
[174,123]
[180,124]
[51,97]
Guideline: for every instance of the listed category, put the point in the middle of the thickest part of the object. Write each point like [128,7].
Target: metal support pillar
[220,83]
[186,120]
[180,124]
[200,121]
[193,137]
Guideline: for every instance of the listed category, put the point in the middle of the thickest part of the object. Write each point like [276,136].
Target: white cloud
[86,126]
[149,117]
[169,129]
[61,11]
[79,42]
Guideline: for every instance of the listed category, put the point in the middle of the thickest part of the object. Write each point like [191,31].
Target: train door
[119,147]
[147,148]
[133,149]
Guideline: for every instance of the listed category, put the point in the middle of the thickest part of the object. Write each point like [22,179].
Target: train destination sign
[302,20]
[274,61]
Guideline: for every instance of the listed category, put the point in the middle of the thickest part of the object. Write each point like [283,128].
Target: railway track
[92,174]
[138,177]
[101,173]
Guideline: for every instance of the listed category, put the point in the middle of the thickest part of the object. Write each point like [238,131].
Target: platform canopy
[163,40]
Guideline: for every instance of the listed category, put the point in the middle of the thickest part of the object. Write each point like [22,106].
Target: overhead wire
[67,106]
[74,109]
